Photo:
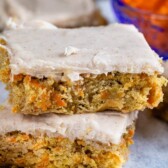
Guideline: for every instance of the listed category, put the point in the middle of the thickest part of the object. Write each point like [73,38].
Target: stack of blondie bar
[74,94]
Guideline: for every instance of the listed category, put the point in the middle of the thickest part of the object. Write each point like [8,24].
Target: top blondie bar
[82,70]
[62,13]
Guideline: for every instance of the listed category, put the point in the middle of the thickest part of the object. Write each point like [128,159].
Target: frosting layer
[51,52]
[54,11]
[106,127]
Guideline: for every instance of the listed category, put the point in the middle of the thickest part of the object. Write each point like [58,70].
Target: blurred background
[149,16]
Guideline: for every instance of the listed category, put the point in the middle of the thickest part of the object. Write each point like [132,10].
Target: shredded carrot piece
[59,101]
[11,139]
[25,137]
[131,132]
[18,77]
[15,109]
[154,95]
[44,161]
[27,79]
[105,95]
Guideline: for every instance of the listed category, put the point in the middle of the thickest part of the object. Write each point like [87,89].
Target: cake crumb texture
[24,150]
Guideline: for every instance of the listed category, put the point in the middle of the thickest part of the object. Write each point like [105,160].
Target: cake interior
[25,150]
[116,91]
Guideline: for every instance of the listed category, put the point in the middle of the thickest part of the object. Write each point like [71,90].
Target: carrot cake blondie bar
[162,110]
[80,70]
[98,140]
[62,13]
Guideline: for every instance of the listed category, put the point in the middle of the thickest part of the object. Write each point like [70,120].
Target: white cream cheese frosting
[51,52]
[105,127]
[41,24]
[54,11]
